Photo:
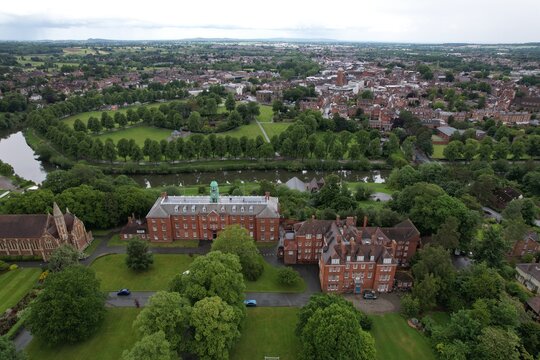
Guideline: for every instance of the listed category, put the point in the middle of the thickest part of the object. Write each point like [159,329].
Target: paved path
[264,132]
[492,213]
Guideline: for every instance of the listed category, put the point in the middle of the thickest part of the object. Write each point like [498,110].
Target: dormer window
[184,209]
[348,258]
[193,207]
[251,208]
[176,208]
[360,258]
[241,209]
[234,208]
[222,209]
[335,261]
[204,209]
[372,258]
[387,261]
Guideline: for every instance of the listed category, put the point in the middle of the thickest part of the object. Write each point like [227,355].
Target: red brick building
[350,258]
[203,217]
[41,234]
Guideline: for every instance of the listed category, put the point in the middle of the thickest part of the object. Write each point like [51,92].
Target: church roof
[23,226]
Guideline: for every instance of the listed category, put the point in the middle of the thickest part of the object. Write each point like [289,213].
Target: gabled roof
[532,269]
[296,184]
[23,226]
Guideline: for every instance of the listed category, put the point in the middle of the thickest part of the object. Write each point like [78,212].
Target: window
[360,258]
[194,234]
[186,235]
[176,208]
[319,236]
[369,275]
[193,208]
[193,226]
[308,236]
[348,258]
[291,253]
[363,266]
[251,233]
[372,258]
[204,209]
[204,226]
[241,209]
[387,261]
[271,228]
[370,266]
[234,208]
[355,266]
[222,209]
[185,226]
[348,266]
[250,208]
[346,275]
[335,261]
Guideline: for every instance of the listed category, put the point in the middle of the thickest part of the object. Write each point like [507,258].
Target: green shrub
[13,267]
[3,265]
[288,276]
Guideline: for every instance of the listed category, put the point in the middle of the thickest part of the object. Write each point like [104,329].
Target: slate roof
[296,184]
[231,205]
[23,226]
[532,269]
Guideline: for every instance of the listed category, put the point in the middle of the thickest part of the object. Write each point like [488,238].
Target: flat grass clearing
[15,284]
[275,128]
[116,241]
[251,131]
[438,152]
[395,340]
[97,114]
[268,282]
[266,113]
[137,133]
[370,203]
[113,337]
[375,187]
[114,274]
[268,331]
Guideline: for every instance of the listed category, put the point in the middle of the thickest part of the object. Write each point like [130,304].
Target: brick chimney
[343,248]
[350,221]
[353,245]
[365,222]
[164,195]
[267,195]
[338,219]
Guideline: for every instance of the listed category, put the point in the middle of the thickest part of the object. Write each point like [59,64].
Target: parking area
[385,303]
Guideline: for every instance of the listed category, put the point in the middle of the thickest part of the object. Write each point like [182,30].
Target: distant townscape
[269,200]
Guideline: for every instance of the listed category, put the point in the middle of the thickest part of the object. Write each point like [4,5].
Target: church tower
[60,223]
[214,192]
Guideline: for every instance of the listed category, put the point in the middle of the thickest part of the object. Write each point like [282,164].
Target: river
[15,151]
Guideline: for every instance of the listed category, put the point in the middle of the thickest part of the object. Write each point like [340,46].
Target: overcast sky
[485,21]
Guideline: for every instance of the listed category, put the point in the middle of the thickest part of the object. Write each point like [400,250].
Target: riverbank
[50,154]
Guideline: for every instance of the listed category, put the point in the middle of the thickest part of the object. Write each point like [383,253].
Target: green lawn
[268,282]
[116,241]
[113,337]
[114,274]
[251,131]
[15,284]
[376,187]
[268,331]
[97,114]
[266,114]
[438,152]
[275,128]
[395,340]
[138,133]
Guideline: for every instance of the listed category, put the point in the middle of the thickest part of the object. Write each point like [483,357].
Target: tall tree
[138,257]
[63,257]
[236,240]
[69,309]
[151,347]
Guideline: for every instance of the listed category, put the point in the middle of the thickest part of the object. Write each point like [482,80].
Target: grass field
[268,331]
[97,114]
[113,337]
[376,187]
[275,128]
[15,284]
[268,282]
[116,241]
[114,274]
[137,133]
[266,113]
[438,152]
[395,340]
[251,131]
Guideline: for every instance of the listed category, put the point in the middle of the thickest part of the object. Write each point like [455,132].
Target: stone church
[40,234]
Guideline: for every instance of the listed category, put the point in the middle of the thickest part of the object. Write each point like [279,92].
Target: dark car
[123,292]
[250,303]
[369,295]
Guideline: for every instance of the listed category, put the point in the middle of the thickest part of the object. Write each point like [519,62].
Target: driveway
[385,303]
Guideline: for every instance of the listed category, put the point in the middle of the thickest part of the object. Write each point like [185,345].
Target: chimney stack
[164,195]
[350,221]
[313,217]
[353,245]
[267,195]
[365,221]
[338,219]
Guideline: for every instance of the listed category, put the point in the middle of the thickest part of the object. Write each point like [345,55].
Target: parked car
[250,303]
[369,295]
[123,292]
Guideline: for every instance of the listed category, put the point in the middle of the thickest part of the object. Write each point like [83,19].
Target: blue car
[123,292]
[250,303]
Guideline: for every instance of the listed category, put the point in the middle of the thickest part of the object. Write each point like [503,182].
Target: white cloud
[368,20]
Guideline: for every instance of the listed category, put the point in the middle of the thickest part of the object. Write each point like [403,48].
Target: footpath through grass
[268,331]
[113,337]
[395,340]
[275,128]
[114,273]
[15,284]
